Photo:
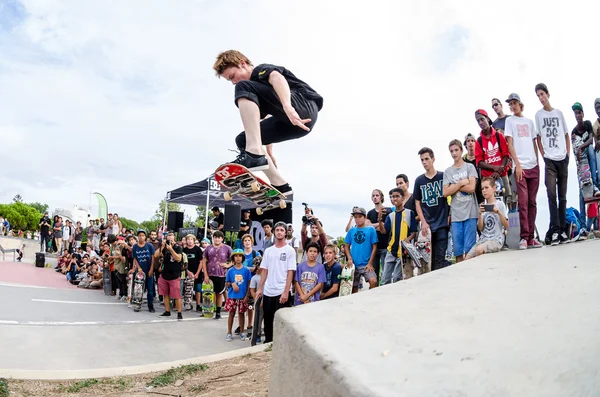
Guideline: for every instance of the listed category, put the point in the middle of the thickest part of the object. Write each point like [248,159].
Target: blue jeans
[464,236]
[150,289]
[392,269]
[592,222]
[591,153]
[582,210]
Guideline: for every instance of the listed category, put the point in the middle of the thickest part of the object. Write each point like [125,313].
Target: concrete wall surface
[517,323]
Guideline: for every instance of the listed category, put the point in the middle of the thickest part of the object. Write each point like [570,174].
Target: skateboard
[419,261]
[585,178]
[240,181]
[129,285]
[138,291]
[208,300]
[423,246]
[188,292]
[258,320]
[346,280]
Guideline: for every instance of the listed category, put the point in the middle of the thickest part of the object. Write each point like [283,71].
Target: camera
[169,242]
[305,219]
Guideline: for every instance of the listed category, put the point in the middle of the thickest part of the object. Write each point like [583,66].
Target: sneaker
[251,161]
[285,189]
[583,235]
[258,340]
[563,238]
[217,316]
[199,308]
[228,338]
[165,314]
[523,244]
[555,240]
[151,309]
[535,244]
[179,316]
[243,336]
[237,331]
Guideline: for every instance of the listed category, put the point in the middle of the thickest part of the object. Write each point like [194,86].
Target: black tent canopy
[206,192]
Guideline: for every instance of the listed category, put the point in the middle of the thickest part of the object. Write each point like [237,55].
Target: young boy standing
[400,225]
[555,145]
[360,247]
[432,208]
[493,219]
[333,269]
[237,281]
[520,136]
[459,183]
[267,90]
[310,277]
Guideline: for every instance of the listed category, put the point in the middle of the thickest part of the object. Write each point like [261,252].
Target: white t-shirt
[66,232]
[278,261]
[295,241]
[552,128]
[522,131]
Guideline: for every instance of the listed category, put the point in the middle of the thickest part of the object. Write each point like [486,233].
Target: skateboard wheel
[259,211]
[255,186]
[227,196]
[282,204]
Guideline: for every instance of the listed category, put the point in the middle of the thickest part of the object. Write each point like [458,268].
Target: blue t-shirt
[309,277]
[332,277]
[430,192]
[241,277]
[143,256]
[395,234]
[361,240]
[250,258]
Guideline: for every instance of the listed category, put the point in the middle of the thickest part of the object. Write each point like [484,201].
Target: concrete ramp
[519,323]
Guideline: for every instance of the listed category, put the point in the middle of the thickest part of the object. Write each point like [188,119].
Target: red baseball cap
[481,111]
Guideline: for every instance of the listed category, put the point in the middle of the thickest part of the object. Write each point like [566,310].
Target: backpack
[573,219]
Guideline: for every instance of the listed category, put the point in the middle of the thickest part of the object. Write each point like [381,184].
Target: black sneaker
[251,161]
[217,316]
[151,309]
[563,238]
[555,241]
[165,314]
[179,316]
[199,308]
[286,189]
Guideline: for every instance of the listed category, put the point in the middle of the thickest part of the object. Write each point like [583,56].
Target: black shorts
[218,284]
[277,128]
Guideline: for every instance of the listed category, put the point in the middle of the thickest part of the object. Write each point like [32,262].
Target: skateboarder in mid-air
[267,90]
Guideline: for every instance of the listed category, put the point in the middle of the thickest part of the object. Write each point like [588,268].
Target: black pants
[278,127]
[439,246]
[44,243]
[557,173]
[270,306]
[121,283]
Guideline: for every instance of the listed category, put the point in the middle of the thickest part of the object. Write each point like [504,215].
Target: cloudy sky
[122,99]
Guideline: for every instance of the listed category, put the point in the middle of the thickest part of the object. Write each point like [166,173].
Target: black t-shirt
[382,239]
[262,72]
[410,204]
[246,223]
[220,219]
[194,256]
[500,123]
[171,269]
[588,130]
[78,233]
[45,229]
[433,203]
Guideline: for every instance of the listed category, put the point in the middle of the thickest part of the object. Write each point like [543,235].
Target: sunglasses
[495,104]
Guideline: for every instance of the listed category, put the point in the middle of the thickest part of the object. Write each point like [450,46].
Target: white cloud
[123,100]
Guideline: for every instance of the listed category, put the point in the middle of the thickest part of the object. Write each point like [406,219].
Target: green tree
[20,215]
[160,212]
[129,224]
[201,216]
[40,207]
[150,225]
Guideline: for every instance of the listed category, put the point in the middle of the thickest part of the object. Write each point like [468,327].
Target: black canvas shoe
[285,189]
[165,314]
[251,161]
[179,316]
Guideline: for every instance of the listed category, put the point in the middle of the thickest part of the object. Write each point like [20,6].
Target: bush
[21,216]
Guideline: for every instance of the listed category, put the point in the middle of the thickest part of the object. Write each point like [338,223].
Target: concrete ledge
[509,324]
[124,371]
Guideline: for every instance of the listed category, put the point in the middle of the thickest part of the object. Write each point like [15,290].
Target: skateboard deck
[423,246]
[129,288]
[346,280]
[138,291]
[419,261]
[240,181]
[208,300]
[188,292]
[257,323]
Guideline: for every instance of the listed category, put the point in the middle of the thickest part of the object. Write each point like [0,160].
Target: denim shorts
[464,236]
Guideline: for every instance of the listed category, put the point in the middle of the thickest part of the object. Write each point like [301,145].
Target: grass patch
[4,388]
[82,384]
[117,383]
[269,348]
[197,389]
[171,376]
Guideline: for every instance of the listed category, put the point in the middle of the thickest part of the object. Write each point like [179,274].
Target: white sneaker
[523,244]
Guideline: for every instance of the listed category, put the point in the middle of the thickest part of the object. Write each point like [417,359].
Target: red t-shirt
[491,151]
[592,211]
